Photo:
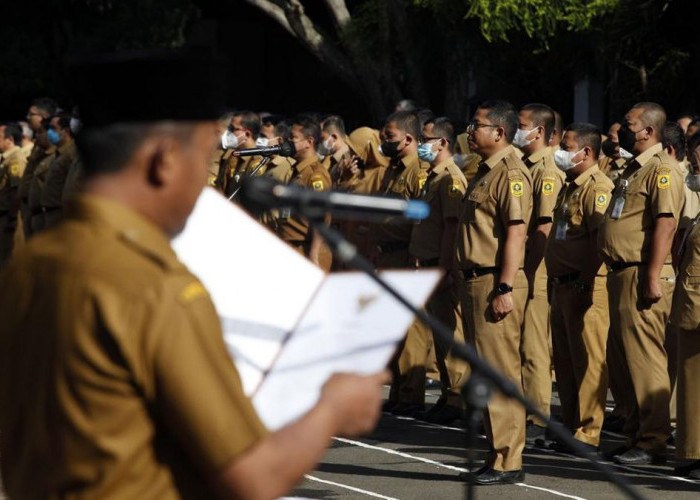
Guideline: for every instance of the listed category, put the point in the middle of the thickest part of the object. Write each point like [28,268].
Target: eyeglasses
[472,126]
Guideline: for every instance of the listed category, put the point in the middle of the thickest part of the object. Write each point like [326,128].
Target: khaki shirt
[613,168]
[11,169]
[547,181]
[685,311]
[691,205]
[244,165]
[281,169]
[33,161]
[366,142]
[443,191]
[38,180]
[580,209]
[74,181]
[52,195]
[124,387]
[654,187]
[27,150]
[403,178]
[500,193]
[218,161]
[309,173]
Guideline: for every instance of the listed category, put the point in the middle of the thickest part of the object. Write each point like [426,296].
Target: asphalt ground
[409,459]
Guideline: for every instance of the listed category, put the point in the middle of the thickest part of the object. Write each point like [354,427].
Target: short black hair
[283,129]
[333,123]
[693,142]
[251,121]
[502,114]
[541,116]
[406,121]
[13,130]
[673,136]
[46,105]
[309,127]
[653,115]
[587,134]
[63,121]
[424,116]
[444,128]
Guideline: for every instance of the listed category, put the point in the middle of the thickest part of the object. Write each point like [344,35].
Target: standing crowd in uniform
[569,255]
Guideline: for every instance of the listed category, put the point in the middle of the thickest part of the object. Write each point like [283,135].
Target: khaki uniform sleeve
[514,197]
[546,190]
[665,192]
[197,388]
[320,182]
[452,191]
[596,200]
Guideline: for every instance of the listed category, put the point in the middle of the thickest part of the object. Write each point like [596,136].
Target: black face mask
[390,149]
[627,138]
[610,148]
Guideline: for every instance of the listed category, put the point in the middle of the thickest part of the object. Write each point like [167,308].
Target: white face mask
[625,155]
[693,182]
[520,140]
[565,159]
[460,160]
[262,142]
[229,140]
[326,147]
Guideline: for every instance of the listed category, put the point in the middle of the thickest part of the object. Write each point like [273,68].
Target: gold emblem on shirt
[454,191]
[421,183]
[663,181]
[317,185]
[601,199]
[548,187]
[516,188]
[14,170]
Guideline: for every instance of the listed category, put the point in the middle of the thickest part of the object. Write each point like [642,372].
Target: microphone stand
[477,391]
[263,162]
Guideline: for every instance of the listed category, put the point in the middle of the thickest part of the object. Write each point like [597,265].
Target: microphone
[284,149]
[262,193]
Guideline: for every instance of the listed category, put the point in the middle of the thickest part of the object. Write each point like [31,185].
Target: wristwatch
[503,288]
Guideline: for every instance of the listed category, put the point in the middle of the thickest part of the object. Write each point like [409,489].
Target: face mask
[460,160]
[565,159]
[625,155]
[262,142]
[693,182]
[426,153]
[520,140]
[52,136]
[389,149]
[74,125]
[229,140]
[627,138]
[326,147]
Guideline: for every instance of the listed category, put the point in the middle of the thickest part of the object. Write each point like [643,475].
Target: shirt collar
[537,156]
[493,160]
[646,155]
[129,226]
[584,176]
[302,165]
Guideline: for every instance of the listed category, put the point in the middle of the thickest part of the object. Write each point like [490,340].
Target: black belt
[429,262]
[392,246]
[565,278]
[475,272]
[618,266]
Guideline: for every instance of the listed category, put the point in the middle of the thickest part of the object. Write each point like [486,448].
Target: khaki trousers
[534,348]
[580,323]
[688,423]
[618,376]
[444,306]
[671,346]
[641,328]
[498,342]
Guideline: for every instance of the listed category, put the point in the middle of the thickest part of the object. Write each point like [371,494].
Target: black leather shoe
[613,423]
[534,432]
[610,455]
[407,410]
[488,476]
[687,469]
[444,415]
[638,456]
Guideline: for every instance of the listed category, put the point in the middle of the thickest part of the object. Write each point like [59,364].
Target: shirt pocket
[692,276]
[478,208]
[574,211]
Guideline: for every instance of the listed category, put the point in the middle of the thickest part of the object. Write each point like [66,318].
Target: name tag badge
[617,207]
[562,228]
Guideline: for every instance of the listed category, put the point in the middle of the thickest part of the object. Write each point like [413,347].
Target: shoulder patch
[663,180]
[193,291]
[601,199]
[548,186]
[455,190]
[516,187]
[421,183]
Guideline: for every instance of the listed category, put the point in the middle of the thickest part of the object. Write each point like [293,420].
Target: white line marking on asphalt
[351,488]
[440,464]
[553,492]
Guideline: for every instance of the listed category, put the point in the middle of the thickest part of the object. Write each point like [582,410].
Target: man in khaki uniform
[37,182]
[244,129]
[308,173]
[404,178]
[685,318]
[635,240]
[493,292]
[60,135]
[535,125]
[124,387]
[579,296]
[42,149]
[340,154]
[432,245]
[12,163]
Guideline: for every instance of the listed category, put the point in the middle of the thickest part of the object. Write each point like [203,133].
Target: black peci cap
[148,86]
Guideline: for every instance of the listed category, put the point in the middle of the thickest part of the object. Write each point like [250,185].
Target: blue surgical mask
[426,153]
[53,137]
